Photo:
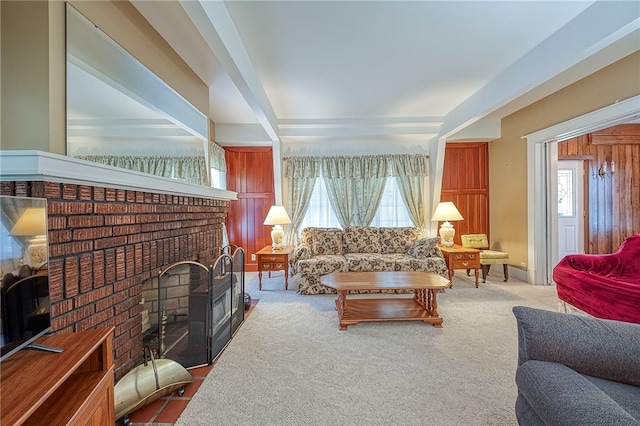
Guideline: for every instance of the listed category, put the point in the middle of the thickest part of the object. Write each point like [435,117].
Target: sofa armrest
[601,348]
[301,252]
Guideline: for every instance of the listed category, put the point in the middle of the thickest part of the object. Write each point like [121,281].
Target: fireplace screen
[199,308]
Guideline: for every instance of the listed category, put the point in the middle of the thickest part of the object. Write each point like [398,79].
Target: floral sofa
[325,250]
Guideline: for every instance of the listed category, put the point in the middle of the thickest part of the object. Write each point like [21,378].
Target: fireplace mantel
[38,166]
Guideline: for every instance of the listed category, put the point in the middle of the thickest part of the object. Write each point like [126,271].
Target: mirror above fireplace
[117,106]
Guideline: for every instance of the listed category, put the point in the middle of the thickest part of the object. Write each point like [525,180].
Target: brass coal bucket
[144,384]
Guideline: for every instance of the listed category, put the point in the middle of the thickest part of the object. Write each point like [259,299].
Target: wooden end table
[274,260]
[459,257]
[422,307]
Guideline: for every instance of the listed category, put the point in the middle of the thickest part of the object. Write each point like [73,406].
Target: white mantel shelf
[45,166]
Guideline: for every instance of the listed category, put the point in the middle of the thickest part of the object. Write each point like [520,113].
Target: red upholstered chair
[606,285]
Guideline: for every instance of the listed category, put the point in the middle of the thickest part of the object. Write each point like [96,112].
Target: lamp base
[446,234]
[277,237]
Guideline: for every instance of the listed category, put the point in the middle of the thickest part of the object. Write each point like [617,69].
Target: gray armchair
[576,370]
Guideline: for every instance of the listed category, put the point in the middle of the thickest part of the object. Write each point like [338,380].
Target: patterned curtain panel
[301,173]
[355,184]
[410,172]
[192,169]
[217,157]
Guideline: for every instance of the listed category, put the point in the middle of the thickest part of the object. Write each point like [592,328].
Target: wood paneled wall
[250,174]
[465,181]
[614,202]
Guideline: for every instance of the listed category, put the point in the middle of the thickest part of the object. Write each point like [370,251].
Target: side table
[459,257]
[274,260]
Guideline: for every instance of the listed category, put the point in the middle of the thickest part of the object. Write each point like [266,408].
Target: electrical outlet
[253,257]
[523,266]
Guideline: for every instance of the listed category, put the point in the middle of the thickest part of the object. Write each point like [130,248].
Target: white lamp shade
[446,211]
[277,216]
[32,222]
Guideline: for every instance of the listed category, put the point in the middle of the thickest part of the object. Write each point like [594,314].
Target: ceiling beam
[594,30]
[213,21]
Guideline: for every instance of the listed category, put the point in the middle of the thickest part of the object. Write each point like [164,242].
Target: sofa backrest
[397,239]
[361,239]
[322,240]
[628,257]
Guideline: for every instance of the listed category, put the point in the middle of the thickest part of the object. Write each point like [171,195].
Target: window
[391,211]
[320,213]
[218,179]
[566,205]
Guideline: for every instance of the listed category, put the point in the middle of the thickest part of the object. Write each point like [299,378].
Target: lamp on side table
[446,211]
[277,217]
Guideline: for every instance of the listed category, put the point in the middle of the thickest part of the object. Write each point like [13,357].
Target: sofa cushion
[398,239]
[308,234]
[361,239]
[323,264]
[559,396]
[327,242]
[423,248]
[367,262]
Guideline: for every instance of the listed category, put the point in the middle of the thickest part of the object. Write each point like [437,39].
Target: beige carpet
[289,364]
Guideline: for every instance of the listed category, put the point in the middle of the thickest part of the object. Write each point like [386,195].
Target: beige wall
[508,155]
[33,72]
[33,64]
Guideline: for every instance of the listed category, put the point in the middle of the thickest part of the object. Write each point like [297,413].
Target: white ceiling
[320,71]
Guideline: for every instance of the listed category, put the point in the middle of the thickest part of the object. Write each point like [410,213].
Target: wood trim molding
[624,134]
[27,165]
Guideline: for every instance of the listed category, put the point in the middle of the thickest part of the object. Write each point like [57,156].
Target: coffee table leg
[341,307]
[433,303]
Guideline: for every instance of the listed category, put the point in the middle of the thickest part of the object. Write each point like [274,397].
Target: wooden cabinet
[274,260]
[73,387]
[459,257]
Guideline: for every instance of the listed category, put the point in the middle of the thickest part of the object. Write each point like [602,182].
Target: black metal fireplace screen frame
[208,315]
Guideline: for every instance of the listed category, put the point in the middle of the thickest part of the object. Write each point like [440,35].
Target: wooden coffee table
[423,306]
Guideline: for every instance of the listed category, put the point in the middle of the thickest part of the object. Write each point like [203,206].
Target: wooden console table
[72,387]
[459,257]
[274,260]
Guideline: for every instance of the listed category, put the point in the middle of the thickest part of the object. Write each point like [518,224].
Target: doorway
[571,209]
[541,167]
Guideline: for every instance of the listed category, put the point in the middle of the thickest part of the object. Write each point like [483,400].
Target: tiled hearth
[167,410]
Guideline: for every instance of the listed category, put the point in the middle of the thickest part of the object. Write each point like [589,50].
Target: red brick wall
[104,242]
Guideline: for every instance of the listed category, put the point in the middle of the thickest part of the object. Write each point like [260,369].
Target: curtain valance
[191,169]
[358,167]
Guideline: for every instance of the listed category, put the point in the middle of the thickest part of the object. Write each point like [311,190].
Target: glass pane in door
[566,190]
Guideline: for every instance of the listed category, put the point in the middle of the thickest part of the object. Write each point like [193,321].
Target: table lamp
[446,211]
[277,217]
[33,223]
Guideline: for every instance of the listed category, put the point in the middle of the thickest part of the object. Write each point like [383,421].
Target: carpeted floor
[289,364]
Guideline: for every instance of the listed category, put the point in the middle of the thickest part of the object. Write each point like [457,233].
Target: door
[570,207]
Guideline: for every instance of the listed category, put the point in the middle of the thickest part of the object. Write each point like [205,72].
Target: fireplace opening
[192,310]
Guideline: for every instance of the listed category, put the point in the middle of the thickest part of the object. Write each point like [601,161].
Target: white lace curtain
[216,157]
[191,169]
[355,185]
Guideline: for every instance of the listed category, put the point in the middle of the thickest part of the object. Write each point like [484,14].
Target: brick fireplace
[104,242]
